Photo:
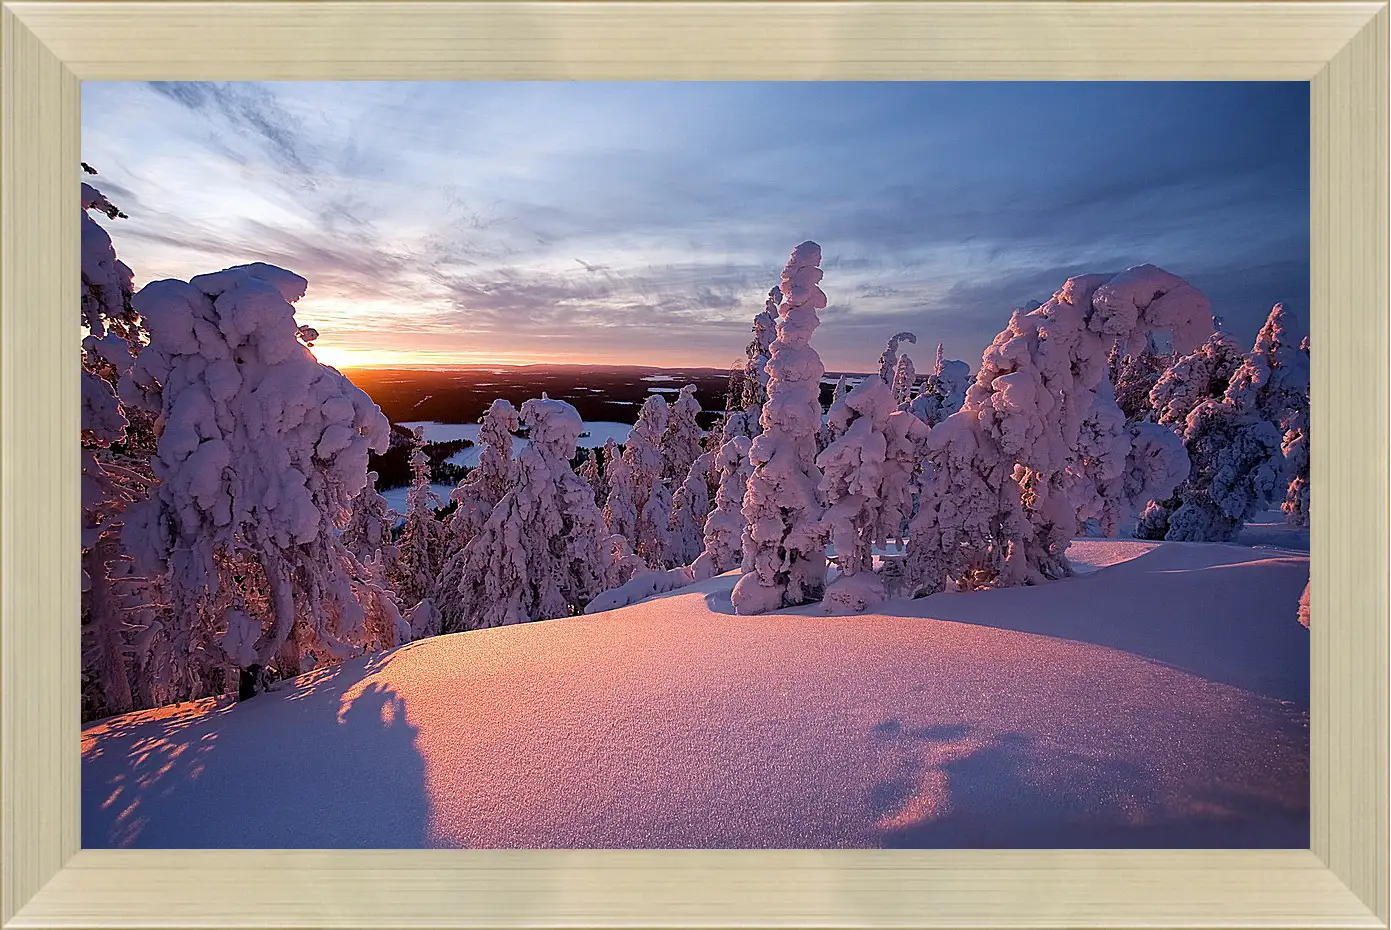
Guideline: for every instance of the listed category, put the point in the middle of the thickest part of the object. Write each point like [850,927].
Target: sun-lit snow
[1112,709]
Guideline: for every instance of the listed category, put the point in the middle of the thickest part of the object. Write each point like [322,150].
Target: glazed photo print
[695,465]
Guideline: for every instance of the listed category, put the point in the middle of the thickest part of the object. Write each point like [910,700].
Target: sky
[643,223]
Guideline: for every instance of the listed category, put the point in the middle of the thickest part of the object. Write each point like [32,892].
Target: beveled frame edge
[48,47]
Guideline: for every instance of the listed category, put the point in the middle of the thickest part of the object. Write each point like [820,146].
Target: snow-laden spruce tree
[642,453]
[1303,614]
[690,505]
[784,560]
[1007,481]
[905,379]
[765,328]
[1239,467]
[725,526]
[370,523]
[417,558]
[109,482]
[888,359]
[1134,377]
[621,507]
[592,471]
[852,477]
[539,554]
[1237,470]
[683,438]
[474,499]
[1200,375]
[1272,381]
[654,540]
[944,391]
[262,452]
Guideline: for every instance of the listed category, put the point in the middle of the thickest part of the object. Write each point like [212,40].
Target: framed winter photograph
[825,472]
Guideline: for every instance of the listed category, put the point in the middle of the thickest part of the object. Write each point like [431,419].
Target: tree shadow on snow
[1224,614]
[341,759]
[955,788]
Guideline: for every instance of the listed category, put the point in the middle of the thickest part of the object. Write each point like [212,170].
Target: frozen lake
[597,432]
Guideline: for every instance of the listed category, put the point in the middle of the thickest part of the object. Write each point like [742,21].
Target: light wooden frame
[49,47]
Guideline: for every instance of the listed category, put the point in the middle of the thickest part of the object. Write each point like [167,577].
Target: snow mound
[1117,709]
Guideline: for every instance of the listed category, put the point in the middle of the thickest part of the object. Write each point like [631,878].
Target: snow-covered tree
[1272,381]
[905,379]
[690,505]
[417,558]
[765,326]
[784,560]
[888,359]
[592,471]
[1200,375]
[370,522]
[1237,469]
[1036,440]
[1134,377]
[1239,465]
[944,392]
[725,526]
[621,507]
[654,543]
[540,553]
[1303,614]
[262,451]
[852,476]
[682,439]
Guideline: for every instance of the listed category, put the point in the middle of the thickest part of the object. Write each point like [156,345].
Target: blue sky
[644,223]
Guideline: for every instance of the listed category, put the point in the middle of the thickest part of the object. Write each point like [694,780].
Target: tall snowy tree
[904,380]
[651,497]
[765,326]
[888,359]
[784,557]
[540,553]
[682,439]
[417,558]
[725,526]
[262,451]
[852,477]
[1008,481]
[690,505]
[621,506]
[369,526]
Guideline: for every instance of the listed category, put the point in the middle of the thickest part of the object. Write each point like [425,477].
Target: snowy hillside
[1113,709]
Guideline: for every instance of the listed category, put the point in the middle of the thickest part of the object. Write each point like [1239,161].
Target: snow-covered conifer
[888,359]
[1304,607]
[1134,377]
[852,476]
[765,327]
[690,505]
[621,507]
[1236,472]
[682,439]
[784,560]
[538,555]
[724,527]
[262,452]
[370,522]
[904,380]
[1009,479]
[1200,375]
[418,556]
[1273,379]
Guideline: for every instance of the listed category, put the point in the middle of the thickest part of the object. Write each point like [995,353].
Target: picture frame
[1341,48]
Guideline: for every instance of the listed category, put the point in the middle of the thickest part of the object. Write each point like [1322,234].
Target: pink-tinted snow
[1120,708]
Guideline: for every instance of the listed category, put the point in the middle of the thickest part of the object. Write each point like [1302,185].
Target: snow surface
[1115,709]
[598,432]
